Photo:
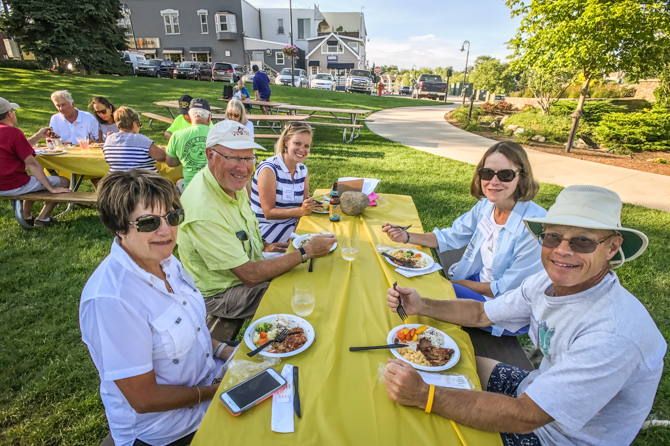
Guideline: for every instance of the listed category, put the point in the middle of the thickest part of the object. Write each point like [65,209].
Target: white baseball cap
[6,106]
[233,135]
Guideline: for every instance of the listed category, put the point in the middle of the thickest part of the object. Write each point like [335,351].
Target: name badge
[486,227]
[288,195]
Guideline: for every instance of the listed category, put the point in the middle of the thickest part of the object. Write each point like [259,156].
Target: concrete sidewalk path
[424,128]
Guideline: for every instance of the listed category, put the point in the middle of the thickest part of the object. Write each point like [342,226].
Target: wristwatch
[304,254]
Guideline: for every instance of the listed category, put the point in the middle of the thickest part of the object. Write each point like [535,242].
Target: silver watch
[304,254]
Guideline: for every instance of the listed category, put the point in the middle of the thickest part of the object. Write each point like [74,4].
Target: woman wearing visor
[500,251]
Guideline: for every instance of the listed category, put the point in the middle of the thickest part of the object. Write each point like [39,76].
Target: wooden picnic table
[342,399]
[266,107]
[351,125]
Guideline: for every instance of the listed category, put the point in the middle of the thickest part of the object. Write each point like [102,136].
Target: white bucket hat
[594,208]
[232,135]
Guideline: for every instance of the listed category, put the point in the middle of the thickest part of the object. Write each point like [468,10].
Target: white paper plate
[299,239]
[47,152]
[431,262]
[293,320]
[448,343]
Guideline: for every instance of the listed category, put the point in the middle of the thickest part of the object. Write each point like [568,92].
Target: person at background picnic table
[602,352]
[128,149]
[71,123]
[220,243]
[141,316]
[261,85]
[235,112]
[187,147]
[280,188]
[182,121]
[104,114]
[241,91]
[500,253]
[16,153]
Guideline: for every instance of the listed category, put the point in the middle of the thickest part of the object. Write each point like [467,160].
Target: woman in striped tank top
[280,188]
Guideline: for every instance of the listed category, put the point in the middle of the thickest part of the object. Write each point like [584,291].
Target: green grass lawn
[49,385]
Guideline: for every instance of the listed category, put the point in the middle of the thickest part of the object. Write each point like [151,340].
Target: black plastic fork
[400,309]
[280,337]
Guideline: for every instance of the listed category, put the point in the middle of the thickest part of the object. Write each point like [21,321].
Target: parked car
[249,77]
[190,70]
[359,81]
[500,97]
[429,86]
[156,68]
[405,89]
[299,76]
[206,72]
[323,81]
[134,60]
[223,71]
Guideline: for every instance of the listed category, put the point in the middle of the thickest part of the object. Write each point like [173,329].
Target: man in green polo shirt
[187,147]
[220,243]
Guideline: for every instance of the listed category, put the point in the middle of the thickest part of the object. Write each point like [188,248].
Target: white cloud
[426,38]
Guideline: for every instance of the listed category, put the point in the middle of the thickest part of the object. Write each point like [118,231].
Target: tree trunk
[578,113]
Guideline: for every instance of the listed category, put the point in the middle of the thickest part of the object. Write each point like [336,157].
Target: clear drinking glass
[303,298]
[349,247]
[83,143]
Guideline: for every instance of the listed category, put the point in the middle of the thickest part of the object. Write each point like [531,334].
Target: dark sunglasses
[101,112]
[581,245]
[151,223]
[505,175]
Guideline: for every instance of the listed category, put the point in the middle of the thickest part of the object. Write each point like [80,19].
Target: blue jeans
[466,293]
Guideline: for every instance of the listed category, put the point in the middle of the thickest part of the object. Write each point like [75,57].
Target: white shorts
[31,186]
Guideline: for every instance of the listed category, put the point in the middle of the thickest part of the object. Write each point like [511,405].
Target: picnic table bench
[350,123]
[87,198]
[165,119]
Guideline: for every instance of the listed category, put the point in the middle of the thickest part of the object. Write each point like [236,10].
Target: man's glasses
[151,223]
[249,161]
[505,175]
[581,245]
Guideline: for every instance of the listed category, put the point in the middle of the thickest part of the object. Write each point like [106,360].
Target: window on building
[303,29]
[280,26]
[204,27]
[279,58]
[225,23]
[227,53]
[332,49]
[171,20]
[124,22]
[315,70]
[354,46]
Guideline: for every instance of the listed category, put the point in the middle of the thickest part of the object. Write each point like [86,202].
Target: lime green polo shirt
[188,146]
[180,123]
[208,246]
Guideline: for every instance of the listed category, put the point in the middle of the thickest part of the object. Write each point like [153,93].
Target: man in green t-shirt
[187,146]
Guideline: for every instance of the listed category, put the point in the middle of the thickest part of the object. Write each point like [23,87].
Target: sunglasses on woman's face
[581,245]
[151,223]
[505,175]
[234,115]
[102,112]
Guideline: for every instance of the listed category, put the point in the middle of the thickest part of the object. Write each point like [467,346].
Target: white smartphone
[247,394]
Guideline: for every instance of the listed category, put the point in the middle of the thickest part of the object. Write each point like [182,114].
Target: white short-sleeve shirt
[132,325]
[85,126]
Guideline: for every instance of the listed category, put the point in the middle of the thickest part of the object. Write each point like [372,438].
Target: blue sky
[425,32]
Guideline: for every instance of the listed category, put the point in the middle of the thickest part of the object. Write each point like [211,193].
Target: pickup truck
[429,86]
[359,81]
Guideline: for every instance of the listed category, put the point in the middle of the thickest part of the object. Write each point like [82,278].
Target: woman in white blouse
[235,111]
[143,319]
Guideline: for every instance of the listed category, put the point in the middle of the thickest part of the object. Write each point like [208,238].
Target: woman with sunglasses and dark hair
[500,251]
[104,114]
[280,187]
[128,149]
[143,319]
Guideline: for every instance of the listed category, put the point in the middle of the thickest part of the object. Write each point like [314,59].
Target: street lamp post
[465,74]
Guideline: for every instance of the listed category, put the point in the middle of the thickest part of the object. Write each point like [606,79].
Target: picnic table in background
[169,105]
[283,120]
[266,107]
[350,123]
[342,399]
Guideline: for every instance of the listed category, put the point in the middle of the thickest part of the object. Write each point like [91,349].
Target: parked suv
[132,59]
[226,72]
[359,81]
[193,70]
[155,68]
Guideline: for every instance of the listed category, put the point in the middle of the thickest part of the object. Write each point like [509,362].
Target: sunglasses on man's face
[151,223]
[581,245]
[504,175]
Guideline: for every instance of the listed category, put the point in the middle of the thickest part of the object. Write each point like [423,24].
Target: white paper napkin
[408,274]
[282,404]
[453,381]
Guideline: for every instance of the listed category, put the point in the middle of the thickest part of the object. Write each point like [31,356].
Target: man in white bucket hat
[603,354]
[220,242]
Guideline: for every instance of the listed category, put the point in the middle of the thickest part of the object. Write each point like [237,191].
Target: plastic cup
[83,143]
[303,300]
[349,247]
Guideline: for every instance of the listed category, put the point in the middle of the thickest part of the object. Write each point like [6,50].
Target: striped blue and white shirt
[289,194]
[128,151]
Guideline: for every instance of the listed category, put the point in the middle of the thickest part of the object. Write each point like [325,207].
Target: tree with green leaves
[491,75]
[547,87]
[592,37]
[85,33]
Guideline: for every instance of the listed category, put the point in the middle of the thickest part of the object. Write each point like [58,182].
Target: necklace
[169,287]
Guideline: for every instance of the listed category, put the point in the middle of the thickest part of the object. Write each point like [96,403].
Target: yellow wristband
[431,395]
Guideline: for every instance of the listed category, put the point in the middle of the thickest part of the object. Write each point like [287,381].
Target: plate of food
[299,241]
[322,207]
[266,328]
[98,145]
[50,152]
[427,348]
[420,260]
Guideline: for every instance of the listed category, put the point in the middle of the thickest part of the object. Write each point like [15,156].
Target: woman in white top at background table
[500,252]
[280,187]
[104,114]
[235,111]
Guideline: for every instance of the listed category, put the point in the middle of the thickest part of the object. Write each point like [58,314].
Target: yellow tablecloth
[343,402]
[91,163]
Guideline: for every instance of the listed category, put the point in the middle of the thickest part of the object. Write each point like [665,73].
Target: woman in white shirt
[104,114]
[143,319]
[236,112]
